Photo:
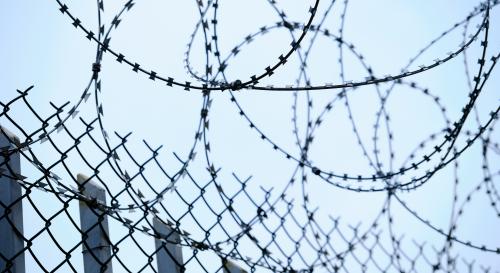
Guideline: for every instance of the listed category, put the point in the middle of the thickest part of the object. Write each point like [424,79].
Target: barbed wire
[216,222]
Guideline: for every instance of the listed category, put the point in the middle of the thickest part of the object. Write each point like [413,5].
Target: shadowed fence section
[94,227]
[11,208]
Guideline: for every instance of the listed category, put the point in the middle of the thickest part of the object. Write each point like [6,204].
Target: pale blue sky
[40,47]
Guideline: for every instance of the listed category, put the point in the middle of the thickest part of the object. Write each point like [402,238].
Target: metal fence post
[169,255]
[95,231]
[11,208]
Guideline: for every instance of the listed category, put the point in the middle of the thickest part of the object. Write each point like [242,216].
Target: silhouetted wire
[317,247]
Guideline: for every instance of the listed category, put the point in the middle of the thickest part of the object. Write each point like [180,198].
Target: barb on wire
[138,213]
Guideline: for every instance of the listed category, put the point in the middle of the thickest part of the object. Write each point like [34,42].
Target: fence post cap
[81,178]
[11,136]
[232,267]
[87,184]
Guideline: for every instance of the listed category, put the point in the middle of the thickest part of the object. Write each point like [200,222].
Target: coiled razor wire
[220,219]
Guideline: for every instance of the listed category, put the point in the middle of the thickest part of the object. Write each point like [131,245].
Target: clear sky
[40,47]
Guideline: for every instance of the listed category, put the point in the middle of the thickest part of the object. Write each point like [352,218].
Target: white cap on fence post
[230,267]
